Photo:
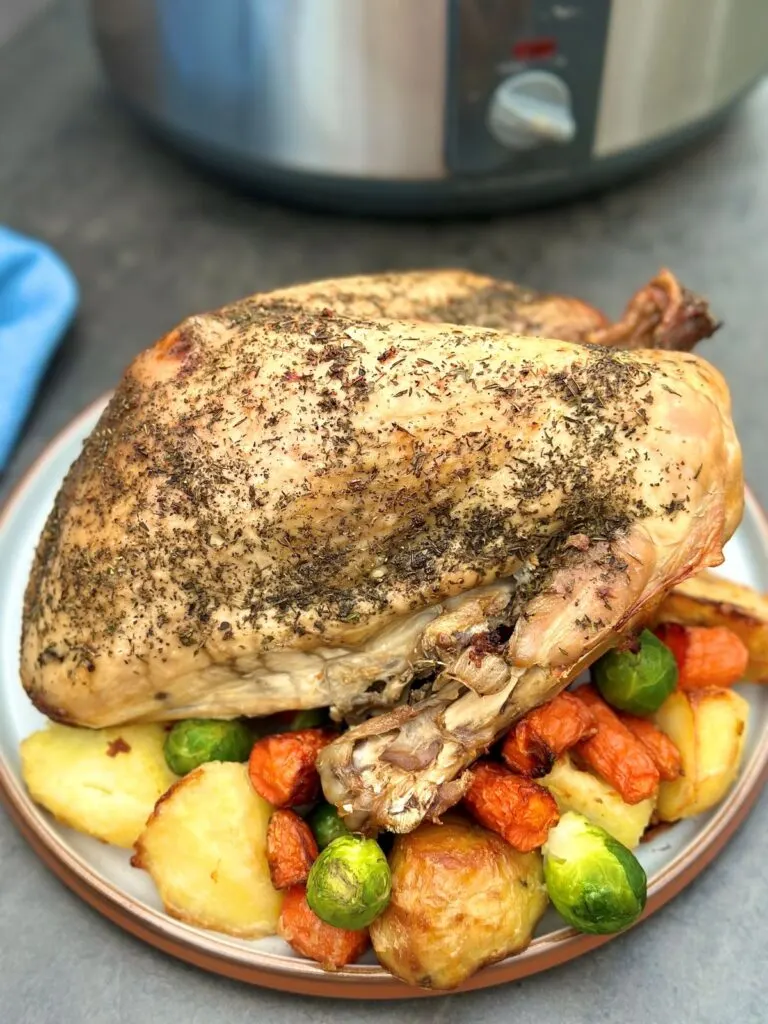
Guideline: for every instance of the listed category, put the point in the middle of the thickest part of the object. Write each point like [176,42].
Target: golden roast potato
[708,727]
[104,782]
[585,793]
[461,897]
[205,848]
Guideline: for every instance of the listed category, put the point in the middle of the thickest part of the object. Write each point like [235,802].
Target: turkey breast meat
[298,501]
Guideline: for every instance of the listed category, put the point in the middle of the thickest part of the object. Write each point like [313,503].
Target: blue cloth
[38,298]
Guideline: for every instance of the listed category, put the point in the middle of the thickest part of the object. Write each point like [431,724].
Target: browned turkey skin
[318,498]
[661,314]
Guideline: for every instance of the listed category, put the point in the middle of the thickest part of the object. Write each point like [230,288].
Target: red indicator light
[534,49]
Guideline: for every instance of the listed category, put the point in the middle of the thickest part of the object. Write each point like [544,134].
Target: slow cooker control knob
[531,109]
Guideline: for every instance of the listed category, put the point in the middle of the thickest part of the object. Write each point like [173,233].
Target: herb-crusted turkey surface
[288,504]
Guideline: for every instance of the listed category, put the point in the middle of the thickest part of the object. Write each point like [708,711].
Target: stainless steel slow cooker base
[430,107]
[445,198]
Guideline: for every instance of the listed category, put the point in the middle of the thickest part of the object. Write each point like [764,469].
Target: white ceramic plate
[103,876]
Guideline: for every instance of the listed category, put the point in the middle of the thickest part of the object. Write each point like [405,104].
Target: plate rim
[216,954]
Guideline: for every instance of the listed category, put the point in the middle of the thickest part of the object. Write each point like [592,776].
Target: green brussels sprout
[311,718]
[326,825]
[637,681]
[196,740]
[288,721]
[349,883]
[594,882]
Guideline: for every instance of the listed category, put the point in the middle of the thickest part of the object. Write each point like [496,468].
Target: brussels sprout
[311,718]
[326,825]
[637,681]
[595,883]
[349,884]
[197,740]
[288,721]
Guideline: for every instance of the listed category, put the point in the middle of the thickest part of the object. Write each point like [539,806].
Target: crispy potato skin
[708,600]
[205,848]
[103,782]
[461,898]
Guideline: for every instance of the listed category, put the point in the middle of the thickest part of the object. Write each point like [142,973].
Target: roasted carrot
[663,751]
[708,657]
[537,740]
[615,753]
[307,934]
[282,767]
[291,849]
[521,811]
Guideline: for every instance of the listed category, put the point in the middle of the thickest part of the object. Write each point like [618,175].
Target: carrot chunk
[291,849]
[708,657]
[302,929]
[521,811]
[615,753]
[282,767]
[663,751]
[532,746]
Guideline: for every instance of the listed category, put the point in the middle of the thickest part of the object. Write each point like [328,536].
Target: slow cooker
[428,106]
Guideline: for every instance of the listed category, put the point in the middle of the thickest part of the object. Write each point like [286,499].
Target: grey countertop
[150,241]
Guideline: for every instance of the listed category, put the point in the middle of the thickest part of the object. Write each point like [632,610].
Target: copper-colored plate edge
[215,953]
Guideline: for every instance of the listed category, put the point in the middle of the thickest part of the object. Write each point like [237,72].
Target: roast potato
[104,782]
[461,897]
[708,727]
[205,848]
[585,793]
[708,600]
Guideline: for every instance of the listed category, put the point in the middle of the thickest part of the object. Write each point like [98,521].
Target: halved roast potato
[585,793]
[205,848]
[708,727]
[103,782]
